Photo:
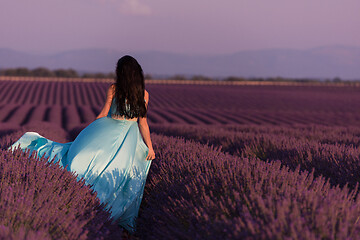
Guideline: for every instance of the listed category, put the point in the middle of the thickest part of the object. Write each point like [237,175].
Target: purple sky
[186,26]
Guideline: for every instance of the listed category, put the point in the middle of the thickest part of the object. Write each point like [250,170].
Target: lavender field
[233,162]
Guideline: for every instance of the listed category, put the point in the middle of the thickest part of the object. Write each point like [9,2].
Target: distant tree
[111,75]
[60,73]
[98,75]
[148,76]
[277,79]
[305,80]
[66,73]
[9,72]
[87,75]
[281,79]
[201,77]
[15,72]
[22,72]
[336,80]
[232,79]
[42,72]
[258,79]
[72,73]
[178,77]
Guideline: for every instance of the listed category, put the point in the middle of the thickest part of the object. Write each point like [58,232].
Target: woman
[110,153]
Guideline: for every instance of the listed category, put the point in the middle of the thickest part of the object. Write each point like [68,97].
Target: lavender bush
[333,152]
[39,199]
[198,192]
[22,233]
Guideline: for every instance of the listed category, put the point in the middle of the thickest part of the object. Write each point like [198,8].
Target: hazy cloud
[134,7]
[129,7]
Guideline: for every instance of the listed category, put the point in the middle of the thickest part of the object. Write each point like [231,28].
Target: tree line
[71,73]
[45,72]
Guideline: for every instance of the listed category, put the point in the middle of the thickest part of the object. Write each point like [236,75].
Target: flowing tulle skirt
[110,155]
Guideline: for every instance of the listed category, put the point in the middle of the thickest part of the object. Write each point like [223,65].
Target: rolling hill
[322,62]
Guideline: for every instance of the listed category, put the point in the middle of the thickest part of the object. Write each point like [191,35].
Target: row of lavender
[72,116]
[71,104]
[193,191]
[332,152]
[302,98]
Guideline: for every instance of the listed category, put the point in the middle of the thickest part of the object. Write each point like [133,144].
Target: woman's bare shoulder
[111,90]
[112,87]
[146,96]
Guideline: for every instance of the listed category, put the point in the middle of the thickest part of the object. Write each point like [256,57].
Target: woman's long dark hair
[129,88]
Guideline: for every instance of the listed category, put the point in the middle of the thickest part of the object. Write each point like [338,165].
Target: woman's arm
[145,132]
[109,96]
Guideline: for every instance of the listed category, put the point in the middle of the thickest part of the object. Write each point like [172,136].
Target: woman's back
[114,111]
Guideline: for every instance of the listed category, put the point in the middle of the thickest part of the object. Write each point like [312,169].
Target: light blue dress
[110,155]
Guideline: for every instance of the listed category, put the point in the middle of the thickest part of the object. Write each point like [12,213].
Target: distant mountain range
[319,63]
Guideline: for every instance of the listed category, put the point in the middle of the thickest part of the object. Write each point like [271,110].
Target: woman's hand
[151,154]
